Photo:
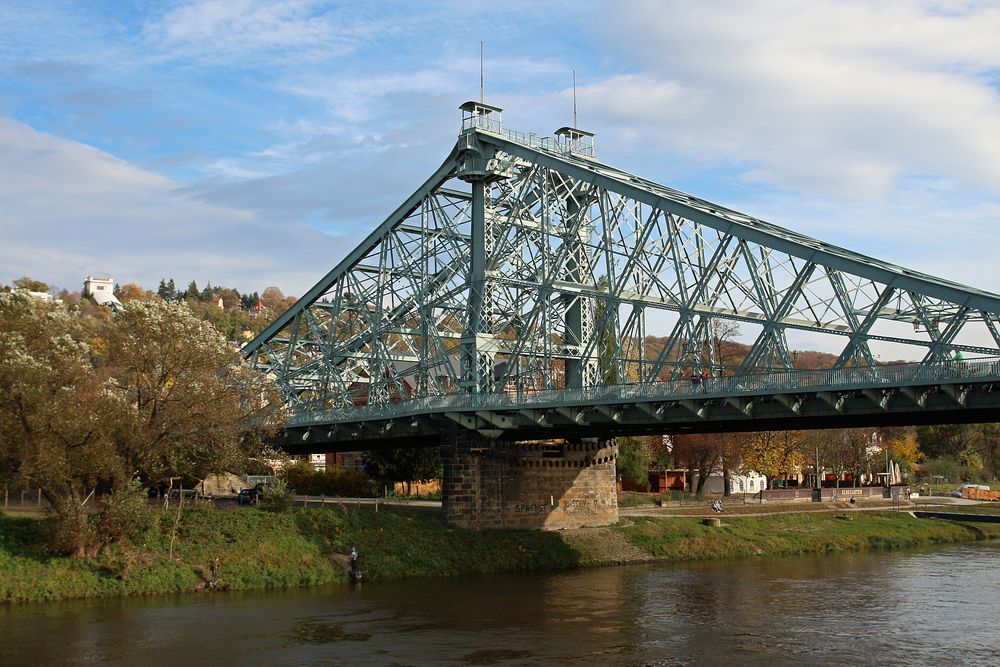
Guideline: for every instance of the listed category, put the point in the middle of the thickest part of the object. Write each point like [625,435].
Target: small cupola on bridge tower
[482,116]
[478,117]
[577,142]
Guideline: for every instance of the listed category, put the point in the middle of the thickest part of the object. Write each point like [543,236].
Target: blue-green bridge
[527,291]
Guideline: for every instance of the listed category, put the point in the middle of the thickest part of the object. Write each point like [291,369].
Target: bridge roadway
[907,394]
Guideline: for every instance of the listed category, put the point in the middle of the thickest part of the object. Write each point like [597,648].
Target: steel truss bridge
[517,291]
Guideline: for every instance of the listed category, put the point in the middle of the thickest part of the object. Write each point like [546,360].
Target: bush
[303,478]
[71,534]
[276,496]
[127,515]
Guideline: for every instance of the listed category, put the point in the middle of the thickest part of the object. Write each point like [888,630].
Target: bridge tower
[522,485]
[478,342]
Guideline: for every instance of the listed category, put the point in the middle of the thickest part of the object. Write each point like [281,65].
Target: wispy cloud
[238,31]
[836,97]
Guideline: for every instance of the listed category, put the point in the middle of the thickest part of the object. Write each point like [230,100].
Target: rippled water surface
[930,607]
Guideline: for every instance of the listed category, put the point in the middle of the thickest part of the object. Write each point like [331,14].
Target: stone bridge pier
[491,484]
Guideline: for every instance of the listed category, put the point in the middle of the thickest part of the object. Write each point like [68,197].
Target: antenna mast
[482,90]
[574,98]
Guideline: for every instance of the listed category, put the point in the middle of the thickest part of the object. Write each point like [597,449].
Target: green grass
[790,534]
[259,549]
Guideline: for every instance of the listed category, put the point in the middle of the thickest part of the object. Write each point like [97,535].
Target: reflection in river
[935,607]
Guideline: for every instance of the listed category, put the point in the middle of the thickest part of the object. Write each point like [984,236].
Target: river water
[939,607]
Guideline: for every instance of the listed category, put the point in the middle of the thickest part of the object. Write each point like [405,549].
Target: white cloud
[837,97]
[70,210]
[281,30]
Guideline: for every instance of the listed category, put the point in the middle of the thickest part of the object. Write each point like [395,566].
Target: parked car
[249,496]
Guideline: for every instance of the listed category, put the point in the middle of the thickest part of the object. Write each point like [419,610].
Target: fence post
[39,503]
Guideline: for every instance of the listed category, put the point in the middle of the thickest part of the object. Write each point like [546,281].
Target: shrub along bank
[262,549]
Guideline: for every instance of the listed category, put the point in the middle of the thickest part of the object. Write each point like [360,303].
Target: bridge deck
[902,394]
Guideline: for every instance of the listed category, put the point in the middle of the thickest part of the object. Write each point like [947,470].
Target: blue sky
[253,143]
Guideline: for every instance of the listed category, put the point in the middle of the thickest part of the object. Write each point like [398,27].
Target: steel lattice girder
[515,268]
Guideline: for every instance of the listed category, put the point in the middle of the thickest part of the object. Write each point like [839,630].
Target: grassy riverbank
[260,549]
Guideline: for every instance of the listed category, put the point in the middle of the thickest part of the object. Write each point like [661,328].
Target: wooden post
[39,503]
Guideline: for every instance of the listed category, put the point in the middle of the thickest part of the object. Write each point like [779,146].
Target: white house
[748,482]
[102,290]
[44,297]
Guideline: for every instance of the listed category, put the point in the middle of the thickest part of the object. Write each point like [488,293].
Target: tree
[167,290]
[193,406]
[273,300]
[87,402]
[901,446]
[192,291]
[701,452]
[944,440]
[248,301]
[132,292]
[405,465]
[633,460]
[230,297]
[69,299]
[772,453]
[54,415]
[26,283]
[989,437]
[728,351]
[660,451]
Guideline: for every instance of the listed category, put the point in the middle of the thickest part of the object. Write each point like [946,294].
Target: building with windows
[102,290]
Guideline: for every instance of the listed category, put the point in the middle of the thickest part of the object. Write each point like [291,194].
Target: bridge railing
[879,377]
[561,145]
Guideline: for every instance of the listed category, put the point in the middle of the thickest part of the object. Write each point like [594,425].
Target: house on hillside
[102,290]
[43,297]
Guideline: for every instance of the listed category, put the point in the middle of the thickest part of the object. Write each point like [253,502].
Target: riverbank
[258,549]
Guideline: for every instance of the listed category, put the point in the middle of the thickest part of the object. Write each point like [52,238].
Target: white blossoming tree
[152,393]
